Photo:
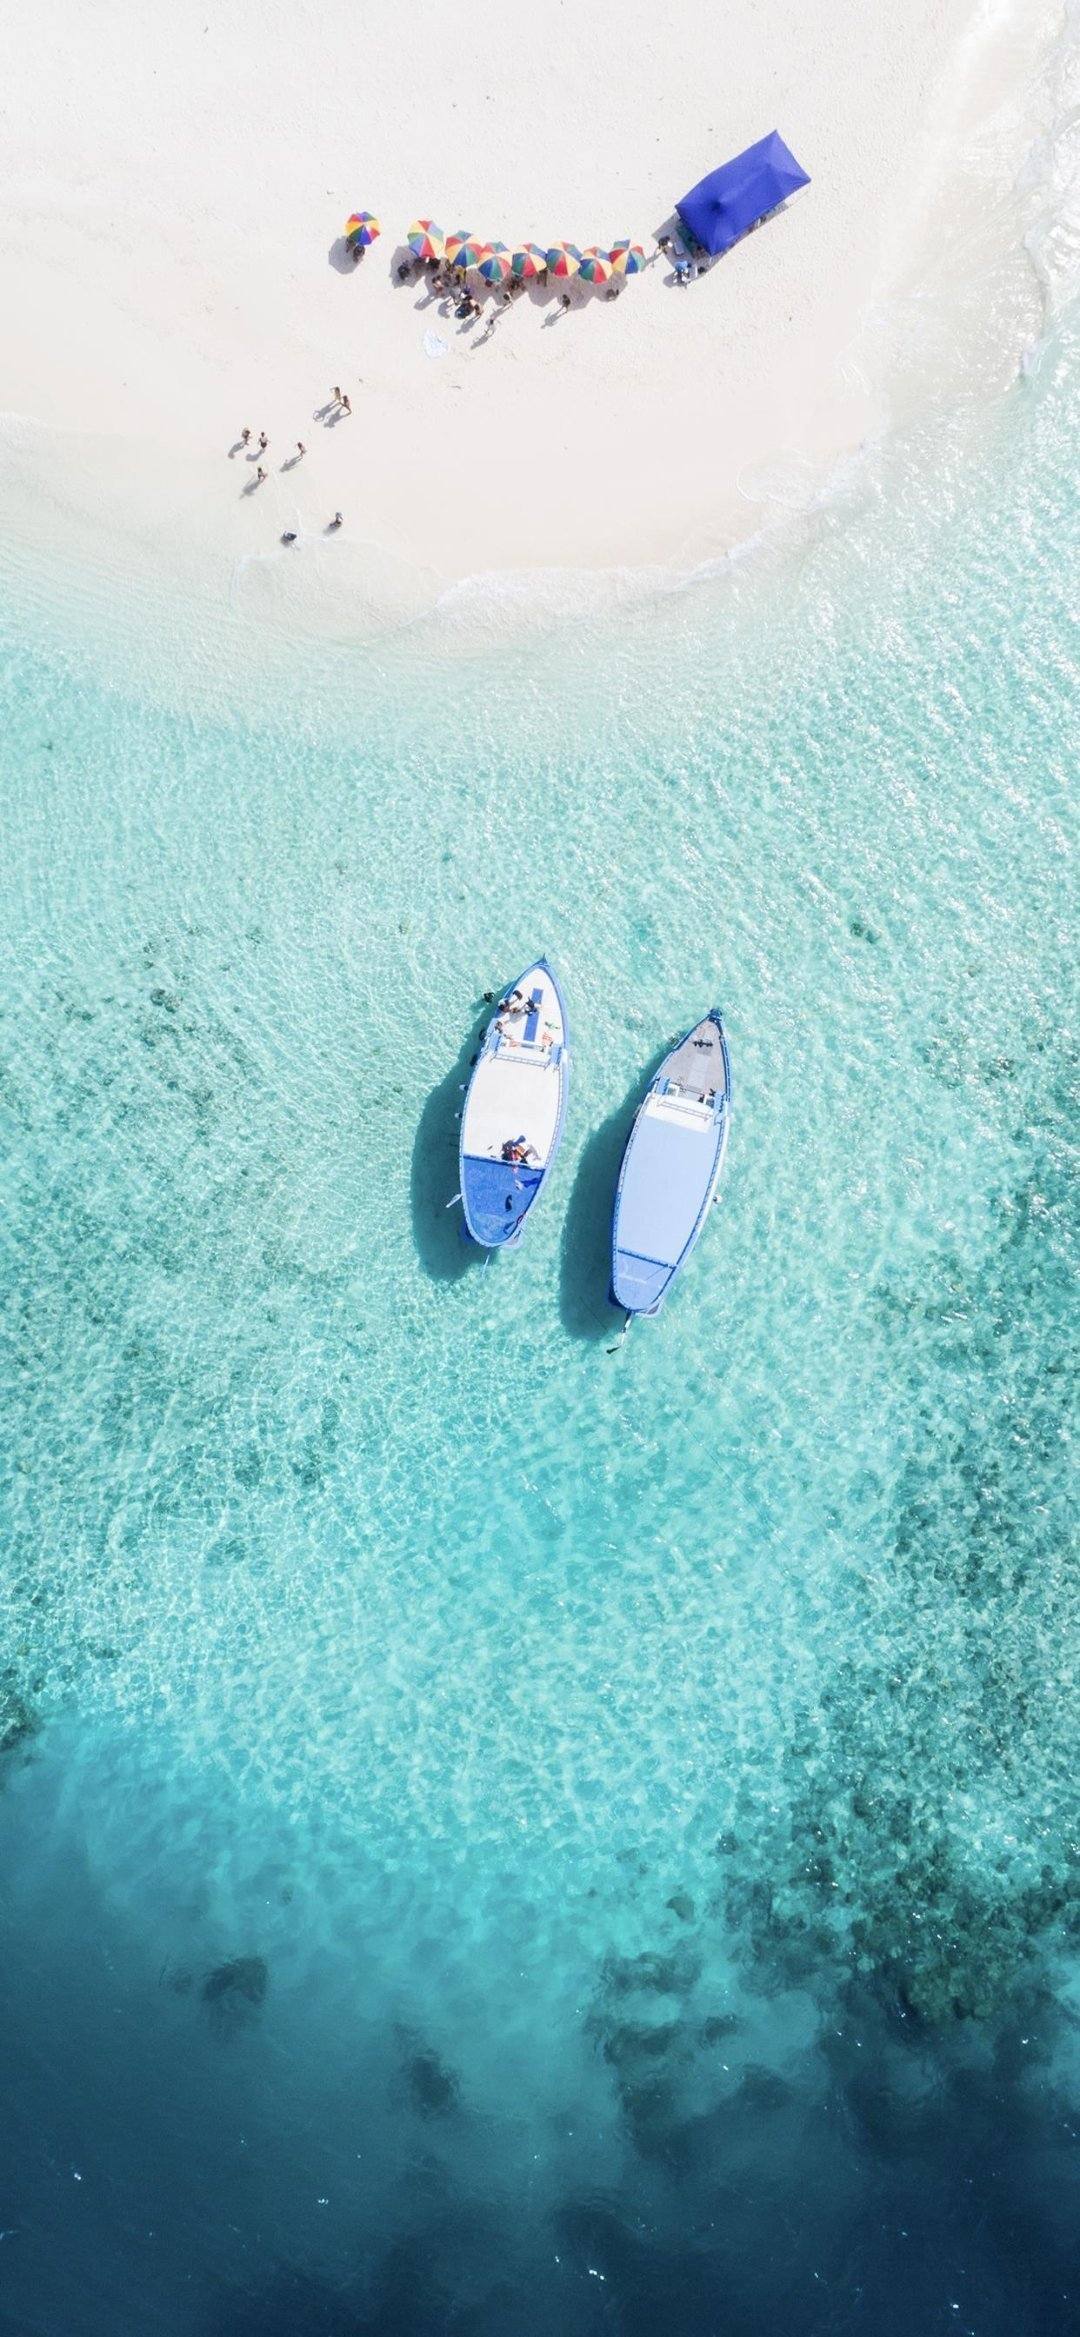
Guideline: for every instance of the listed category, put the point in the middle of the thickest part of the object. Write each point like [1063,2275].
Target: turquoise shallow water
[497,1835]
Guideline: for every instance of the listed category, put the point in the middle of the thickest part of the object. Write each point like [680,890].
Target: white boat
[512,1122]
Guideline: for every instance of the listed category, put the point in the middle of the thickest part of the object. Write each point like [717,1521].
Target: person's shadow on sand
[404,268]
[442,1244]
[585,1257]
[342,258]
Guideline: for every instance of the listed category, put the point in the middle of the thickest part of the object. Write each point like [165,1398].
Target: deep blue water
[497,1836]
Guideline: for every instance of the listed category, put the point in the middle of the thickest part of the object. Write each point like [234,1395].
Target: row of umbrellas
[496,262]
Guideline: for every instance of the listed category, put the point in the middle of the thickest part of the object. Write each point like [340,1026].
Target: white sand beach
[174,186]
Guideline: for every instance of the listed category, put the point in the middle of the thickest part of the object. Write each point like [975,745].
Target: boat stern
[638,1285]
[495,1196]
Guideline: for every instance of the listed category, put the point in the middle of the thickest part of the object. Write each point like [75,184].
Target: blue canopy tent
[732,199]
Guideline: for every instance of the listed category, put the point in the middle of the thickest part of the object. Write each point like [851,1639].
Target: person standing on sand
[301,450]
[263,442]
[346,405]
[245,437]
[259,476]
[336,521]
[337,397]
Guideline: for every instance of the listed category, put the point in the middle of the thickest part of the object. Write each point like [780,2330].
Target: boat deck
[516,1090]
[698,1063]
[508,1101]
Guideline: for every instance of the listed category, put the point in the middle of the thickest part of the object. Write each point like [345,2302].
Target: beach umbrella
[595,265]
[467,254]
[627,259]
[495,265]
[426,240]
[362,228]
[528,260]
[563,259]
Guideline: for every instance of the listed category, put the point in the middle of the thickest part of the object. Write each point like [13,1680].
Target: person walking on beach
[337,397]
[301,450]
[336,521]
[263,442]
[346,405]
[245,436]
[259,476]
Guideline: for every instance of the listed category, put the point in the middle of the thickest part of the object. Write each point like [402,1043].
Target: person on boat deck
[517,1003]
[517,1153]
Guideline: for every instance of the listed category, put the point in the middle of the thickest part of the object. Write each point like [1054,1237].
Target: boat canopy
[732,199]
[673,1158]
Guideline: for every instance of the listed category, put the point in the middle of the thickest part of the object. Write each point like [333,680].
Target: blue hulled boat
[515,1105]
[671,1168]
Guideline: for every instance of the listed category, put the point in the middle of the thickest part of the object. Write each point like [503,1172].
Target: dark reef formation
[233,1992]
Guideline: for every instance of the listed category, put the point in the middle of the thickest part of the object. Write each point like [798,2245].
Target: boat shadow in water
[585,1260]
[442,1244]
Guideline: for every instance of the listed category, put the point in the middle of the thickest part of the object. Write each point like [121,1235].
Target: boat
[671,1168]
[515,1105]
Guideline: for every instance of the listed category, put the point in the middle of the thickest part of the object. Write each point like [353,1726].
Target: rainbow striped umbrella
[595,265]
[426,240]
[528,260]
[627,259]
[495,265]
[563,259]
[462,240]
[362,228]
[468,253]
